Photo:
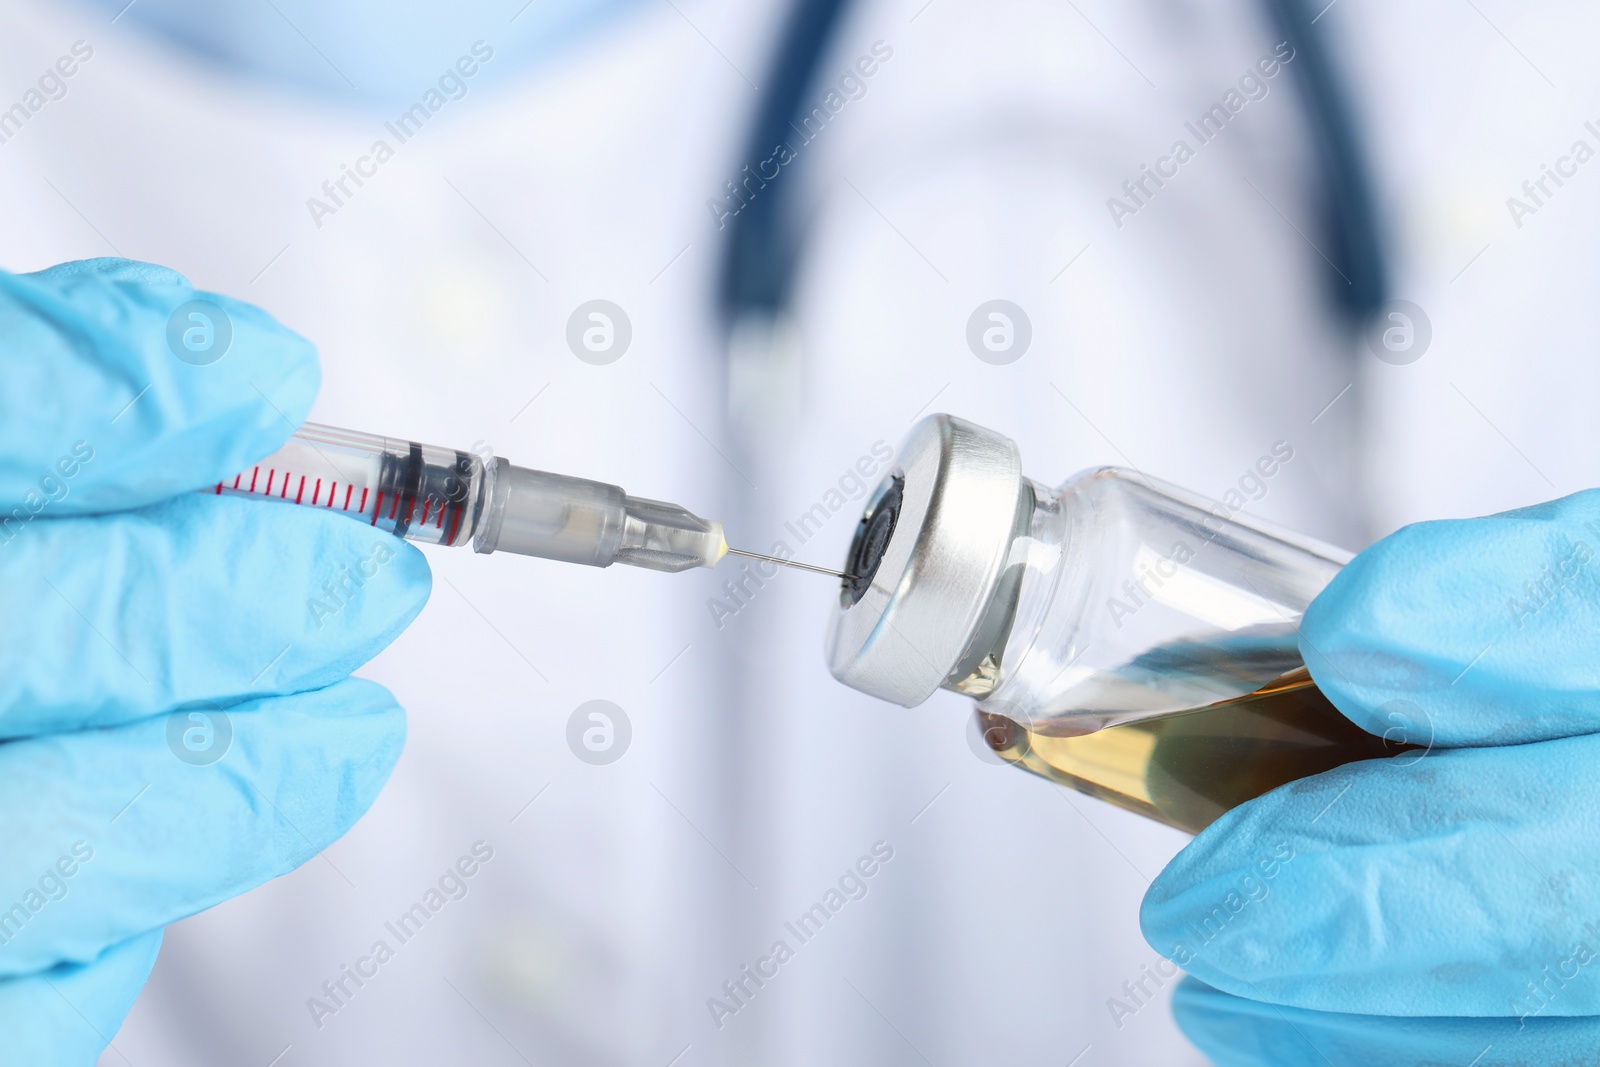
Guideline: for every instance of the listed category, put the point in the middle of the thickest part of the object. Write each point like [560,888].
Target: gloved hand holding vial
[1389,763]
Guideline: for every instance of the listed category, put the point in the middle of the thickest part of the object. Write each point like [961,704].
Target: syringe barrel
[419,492]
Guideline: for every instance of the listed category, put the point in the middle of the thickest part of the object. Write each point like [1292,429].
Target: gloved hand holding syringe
[443,496]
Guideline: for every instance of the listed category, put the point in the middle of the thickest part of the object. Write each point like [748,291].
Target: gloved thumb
[1468,631]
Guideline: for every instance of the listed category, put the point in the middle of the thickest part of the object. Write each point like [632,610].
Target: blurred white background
[976,165]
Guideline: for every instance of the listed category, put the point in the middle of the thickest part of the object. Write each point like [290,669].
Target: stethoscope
[764,245]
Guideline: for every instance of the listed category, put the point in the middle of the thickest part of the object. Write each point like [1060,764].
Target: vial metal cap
[929,556]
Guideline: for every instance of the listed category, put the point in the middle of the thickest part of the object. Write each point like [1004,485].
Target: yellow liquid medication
[1187,768]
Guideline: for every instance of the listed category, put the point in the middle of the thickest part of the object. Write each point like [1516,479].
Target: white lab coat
[978,164]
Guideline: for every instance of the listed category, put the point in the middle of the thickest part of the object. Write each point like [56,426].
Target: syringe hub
[536,513]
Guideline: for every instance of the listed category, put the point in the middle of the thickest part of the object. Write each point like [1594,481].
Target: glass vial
[1121,636]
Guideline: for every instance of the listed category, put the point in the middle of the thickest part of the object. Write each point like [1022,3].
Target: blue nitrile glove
[1463,882]
[175,727]
[1235,1032]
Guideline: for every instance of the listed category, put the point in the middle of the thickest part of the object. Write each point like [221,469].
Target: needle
[786,562]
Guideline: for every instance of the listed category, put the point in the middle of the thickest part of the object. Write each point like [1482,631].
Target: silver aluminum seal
[912,627]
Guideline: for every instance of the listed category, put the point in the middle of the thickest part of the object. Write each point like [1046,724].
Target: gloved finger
[1463,883]
[1236,1032]
[121,384]
[1469,631]
[66,1016]
[110,833]
[198,599]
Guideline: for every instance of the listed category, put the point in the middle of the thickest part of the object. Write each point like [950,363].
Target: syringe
[445,496]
